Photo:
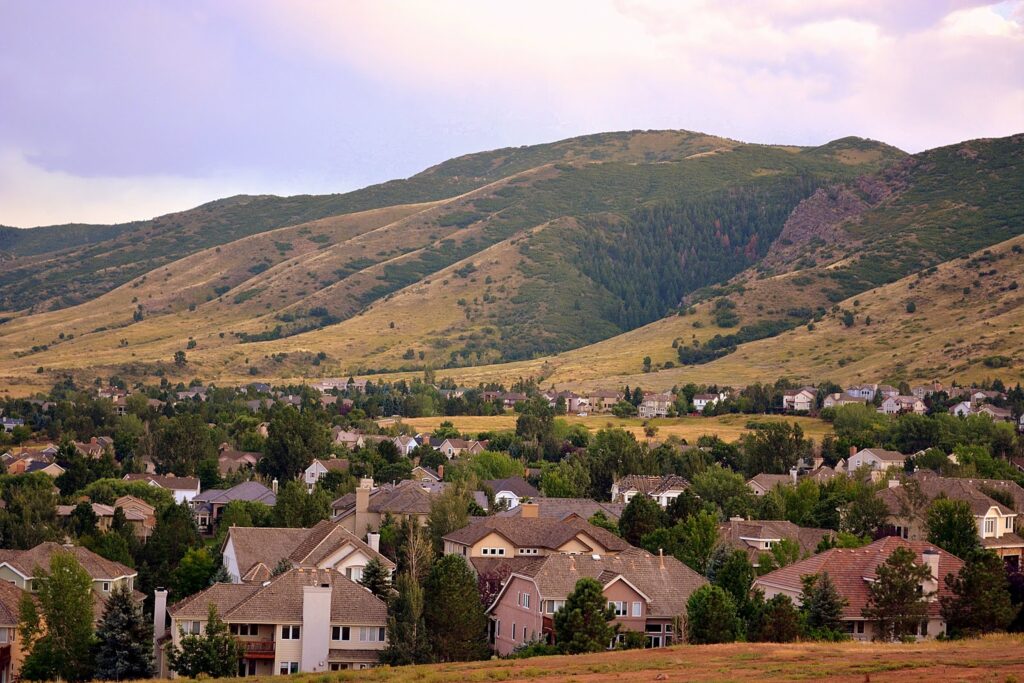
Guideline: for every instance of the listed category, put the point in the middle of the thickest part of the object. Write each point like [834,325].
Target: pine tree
[214,653]
[407,629]
[779,621]
[980,600]
[124,648]
[641,516]
[454,615]
[735,574]
[895,601]
[584,623]
[376,579]
[711,616]
[821,607]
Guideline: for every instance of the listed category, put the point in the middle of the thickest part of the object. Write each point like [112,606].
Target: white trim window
[372,634]
[291,632]
[552,606]
[990,525]
[341,633]
[619,606]
[637,609]
[492,551]
[288,668]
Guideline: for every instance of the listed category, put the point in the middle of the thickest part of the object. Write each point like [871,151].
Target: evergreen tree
[640,517]
[951,526]
[683,506]
[124,639]
[83,520]
[895,600]
[980,600]
[821,607]
[213,653]
[175,534]
[376,579]
[298,509]
[711,616]
[407,628]
[294,438]
[64,650]
[456,623]
[584,623]
[778,621]
[734,574]
[448,512]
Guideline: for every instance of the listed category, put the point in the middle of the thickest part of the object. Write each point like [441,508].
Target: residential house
[888,391]
[799,400]
[454,448]
[853,570]
[304,620]
[603,401]
[997,414]
[878,460]
[230,460]
[655,405]
[839,400]
[141,524]
[962,409]
[12,653]
[136,508]
[18,567]
[511,491]
[648,594]
[348,439]
[757,537]
[864,391]
[184,489]
[763,483]
[531,537]
[365,508]
[429,474]
[512,398]
[562,508]
[405,444]
[893,405]
[208,506]
[49,468]
[908,505]
[662,488]
[94,447]
[251,554]
[7,424]
[193,394]
[702,401]
[318,469]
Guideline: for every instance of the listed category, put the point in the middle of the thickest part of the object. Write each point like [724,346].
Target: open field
[727,427]
[995,659]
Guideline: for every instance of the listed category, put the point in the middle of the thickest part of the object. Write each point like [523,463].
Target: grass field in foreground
[727,427]
[995,658]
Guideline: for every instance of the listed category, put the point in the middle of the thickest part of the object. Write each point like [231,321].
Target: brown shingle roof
[540,532]
[770,481]
[736,533]
[852,569]
[668,586]
[560,508]
[516,485]
[280,600]
[651,485]
[166,482]
[895,498]
[10,604]
[26,561]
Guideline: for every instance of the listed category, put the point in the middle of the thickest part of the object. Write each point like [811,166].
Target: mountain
[569,261]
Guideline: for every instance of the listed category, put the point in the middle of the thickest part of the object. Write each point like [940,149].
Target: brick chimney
[853,451]
[440,472]
[529,510]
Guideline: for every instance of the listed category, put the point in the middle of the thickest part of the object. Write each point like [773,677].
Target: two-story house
[509,537]
[799,400]
[209,505]
[602,401]
[303,620]
[878,460]
[853,570]
[253,553]
[895,405]
[662,488]
[365,508]
[908,502]
[838,400]
[648,594]
[561,508]
[757,537]
[18,567]
[864,391]
[511,491]
[655,405]
[318,469]
[702,401]
[12,653]
[184,489]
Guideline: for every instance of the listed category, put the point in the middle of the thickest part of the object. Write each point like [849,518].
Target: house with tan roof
[184,489]
[895,405]
[561,508]
[301,621]
[231,460]
[12,654]
[648,594]
[799,400]
[141,521]
[878,460]
[663,489]
[995,521]
[209,505]
[511,491]
[252,553]
[853,570]
[602,401]
[364,509]
[531,537]
[655,405]
[763,483]
[838,400]
[18,567]
[319,468]
[349,439]
[757,537]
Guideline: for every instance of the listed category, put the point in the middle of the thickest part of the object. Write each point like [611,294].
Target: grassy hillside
[545,258]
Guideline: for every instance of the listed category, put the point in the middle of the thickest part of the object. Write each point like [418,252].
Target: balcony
[258,649]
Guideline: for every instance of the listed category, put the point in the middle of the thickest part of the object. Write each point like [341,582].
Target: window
[245,629]
[341,633]
[619,607]
[497,628]
[106,586]
[636,609]
[1009,523]
[195,627]
[289,668]
[339,666]
[528,551]
[290,632]
[513,630]
[492,551]
[552,606]
[526,600]
[371,634]
[354,573]
[854,627]
[990,526]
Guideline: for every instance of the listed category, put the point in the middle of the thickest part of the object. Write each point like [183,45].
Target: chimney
[529,510]
[440,472]
[931,560]
[373,540]
[793,473]
[572,562]
[316,625]
[273,486]
[661,558]
[853,451]
[159,619]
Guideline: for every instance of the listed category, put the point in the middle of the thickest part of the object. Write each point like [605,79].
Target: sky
[114,111]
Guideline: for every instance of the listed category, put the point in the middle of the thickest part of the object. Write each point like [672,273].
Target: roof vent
[596,556]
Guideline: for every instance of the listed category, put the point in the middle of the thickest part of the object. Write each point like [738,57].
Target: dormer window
[990,525]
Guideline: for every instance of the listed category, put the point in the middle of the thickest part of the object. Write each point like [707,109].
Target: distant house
[7,424]
[230,460]
[763,483]
[853,570]
[893,405]
[864,391]
[662,489]
[511,491]
[838,400]
[350,440]
[756,537]
[877,459]
[424,473]
[454,448]
[702,401]
[45,467]
[184,489]
[655,405]
[799,400]
[405,444]
[318,469]
[997,414]
[962,409]
[518,537]
[562,508]
[209,505]
[603,401]
[365,509]
[141,523]
[12,650]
